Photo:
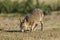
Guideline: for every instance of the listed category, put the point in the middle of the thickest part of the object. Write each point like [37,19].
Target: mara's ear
[20,20]
[26,18]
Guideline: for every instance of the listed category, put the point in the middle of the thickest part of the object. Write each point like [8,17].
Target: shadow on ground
[12,30]
[1,30]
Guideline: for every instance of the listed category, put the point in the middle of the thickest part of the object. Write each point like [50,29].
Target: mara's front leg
[32,27]
[36,25]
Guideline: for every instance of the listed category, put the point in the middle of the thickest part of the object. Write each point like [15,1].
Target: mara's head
[22,25]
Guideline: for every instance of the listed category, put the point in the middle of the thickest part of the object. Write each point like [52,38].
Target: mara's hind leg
[41,25]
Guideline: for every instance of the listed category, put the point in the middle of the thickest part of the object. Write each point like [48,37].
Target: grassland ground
[9,29]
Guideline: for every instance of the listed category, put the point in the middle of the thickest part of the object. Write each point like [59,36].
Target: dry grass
[9,29]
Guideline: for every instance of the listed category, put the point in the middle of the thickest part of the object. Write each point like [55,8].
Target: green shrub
[6,6]
[46,8]
[25,7]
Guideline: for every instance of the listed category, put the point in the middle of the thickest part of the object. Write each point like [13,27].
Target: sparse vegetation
[9,29]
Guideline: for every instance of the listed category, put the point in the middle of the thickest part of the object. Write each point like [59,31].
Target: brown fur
[31,20]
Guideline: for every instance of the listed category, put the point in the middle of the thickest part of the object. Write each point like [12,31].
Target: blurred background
[26,6]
